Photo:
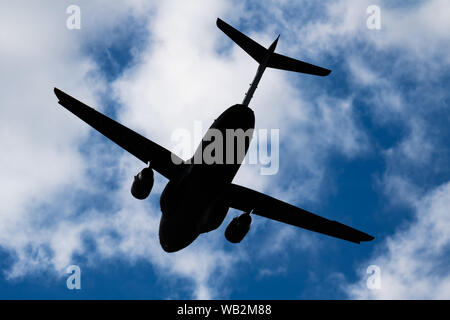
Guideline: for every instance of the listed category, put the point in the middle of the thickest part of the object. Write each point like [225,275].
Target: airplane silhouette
[198,196]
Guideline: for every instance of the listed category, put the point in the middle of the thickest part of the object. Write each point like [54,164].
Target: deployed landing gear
[238,228]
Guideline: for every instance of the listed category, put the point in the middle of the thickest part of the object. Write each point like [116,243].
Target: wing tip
[322,72]
[58,93]
[219,22]
[366,238]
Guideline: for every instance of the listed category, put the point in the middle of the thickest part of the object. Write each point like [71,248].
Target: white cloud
[177,78]
[39,141]
[414,261]
[418,30]
[44,175]
[392,68]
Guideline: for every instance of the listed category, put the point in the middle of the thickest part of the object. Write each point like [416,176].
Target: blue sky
[366,146]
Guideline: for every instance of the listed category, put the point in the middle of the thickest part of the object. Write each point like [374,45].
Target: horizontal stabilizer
[253,48]
[279,61]
[276,61]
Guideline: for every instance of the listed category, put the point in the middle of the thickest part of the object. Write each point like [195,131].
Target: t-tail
[267,58]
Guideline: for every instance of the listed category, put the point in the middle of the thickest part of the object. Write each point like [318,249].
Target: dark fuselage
[193,202]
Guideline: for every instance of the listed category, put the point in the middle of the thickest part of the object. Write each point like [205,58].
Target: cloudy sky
[367,145]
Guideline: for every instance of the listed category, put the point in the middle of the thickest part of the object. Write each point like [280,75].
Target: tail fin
[258,52]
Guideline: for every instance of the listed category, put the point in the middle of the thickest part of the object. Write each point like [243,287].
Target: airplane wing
[161,159]
[245,199]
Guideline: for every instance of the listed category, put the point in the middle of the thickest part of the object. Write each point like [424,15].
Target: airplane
[198,196]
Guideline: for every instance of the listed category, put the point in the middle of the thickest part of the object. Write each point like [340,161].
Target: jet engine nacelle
[142,184]
[238,228]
